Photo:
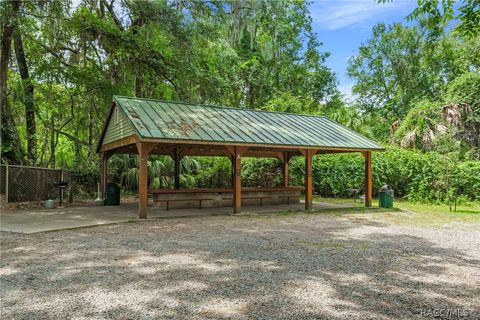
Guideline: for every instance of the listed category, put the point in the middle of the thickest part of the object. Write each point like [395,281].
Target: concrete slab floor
[41,220]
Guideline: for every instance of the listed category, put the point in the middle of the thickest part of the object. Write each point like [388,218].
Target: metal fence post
[6,181]
[61,189]
[70,187]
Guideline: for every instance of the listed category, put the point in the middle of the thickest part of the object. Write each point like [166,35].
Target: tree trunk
[10,141]
[78,150]
[251,94]
[91,108]
[90,132]
[28,97]
[52,160]
[6,41]
[137,24]
[138,81]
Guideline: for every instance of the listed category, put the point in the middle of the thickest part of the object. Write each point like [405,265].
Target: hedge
[422,177]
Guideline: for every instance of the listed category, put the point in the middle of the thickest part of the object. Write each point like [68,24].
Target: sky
[343,25]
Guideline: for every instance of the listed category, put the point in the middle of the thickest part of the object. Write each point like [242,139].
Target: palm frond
[428,139]
[409,140]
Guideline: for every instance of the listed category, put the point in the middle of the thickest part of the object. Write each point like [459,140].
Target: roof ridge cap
[222,107]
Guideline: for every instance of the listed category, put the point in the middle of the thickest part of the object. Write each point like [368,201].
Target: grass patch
[346,201]
[408,213]
[473,209]
[405,213]
[434,215]
[428,219]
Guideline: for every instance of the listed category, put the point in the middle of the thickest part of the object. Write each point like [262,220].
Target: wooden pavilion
[153,127]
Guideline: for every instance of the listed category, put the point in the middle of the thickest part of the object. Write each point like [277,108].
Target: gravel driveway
[332,266]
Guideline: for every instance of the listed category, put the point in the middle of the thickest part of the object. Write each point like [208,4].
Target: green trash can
[385,197]
[112,195]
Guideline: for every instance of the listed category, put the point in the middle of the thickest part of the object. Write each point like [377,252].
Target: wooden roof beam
[130,140]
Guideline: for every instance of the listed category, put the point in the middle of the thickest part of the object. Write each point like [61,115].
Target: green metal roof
[182,121]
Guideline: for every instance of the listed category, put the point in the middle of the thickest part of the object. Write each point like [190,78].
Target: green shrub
[417,176]
[332,174]
[467,177]
[215,172]
[261,172]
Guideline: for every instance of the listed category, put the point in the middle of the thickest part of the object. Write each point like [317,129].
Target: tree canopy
[69,61]
[62,62]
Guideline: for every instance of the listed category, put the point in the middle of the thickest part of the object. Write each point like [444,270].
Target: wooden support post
[368,178]
[230,153]
[104,156]
[177,157]
[232,160]
[286,159]
[308,179]
[237,185]
[144,149]
[236,153]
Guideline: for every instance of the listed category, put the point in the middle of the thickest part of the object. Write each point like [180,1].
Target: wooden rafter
[253,145]
[130,140]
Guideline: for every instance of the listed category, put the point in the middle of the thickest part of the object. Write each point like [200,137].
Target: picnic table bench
[218,197]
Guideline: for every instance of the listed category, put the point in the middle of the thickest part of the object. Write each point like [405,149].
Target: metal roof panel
[181,121]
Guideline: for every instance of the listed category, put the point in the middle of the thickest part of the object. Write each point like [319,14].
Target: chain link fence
[23,183]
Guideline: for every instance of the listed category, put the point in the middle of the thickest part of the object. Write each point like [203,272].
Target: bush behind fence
[23,183]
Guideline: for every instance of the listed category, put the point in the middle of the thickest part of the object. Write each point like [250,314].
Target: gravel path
[324,266]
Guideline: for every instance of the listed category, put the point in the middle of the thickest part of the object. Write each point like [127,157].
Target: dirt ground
[13,206]
[329,265]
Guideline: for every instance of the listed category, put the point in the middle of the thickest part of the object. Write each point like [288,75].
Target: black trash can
[112,195]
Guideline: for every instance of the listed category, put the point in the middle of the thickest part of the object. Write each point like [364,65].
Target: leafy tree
[286,102]
[440,12]
[436,14]
[398,67]
[70,61]
[388,70]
